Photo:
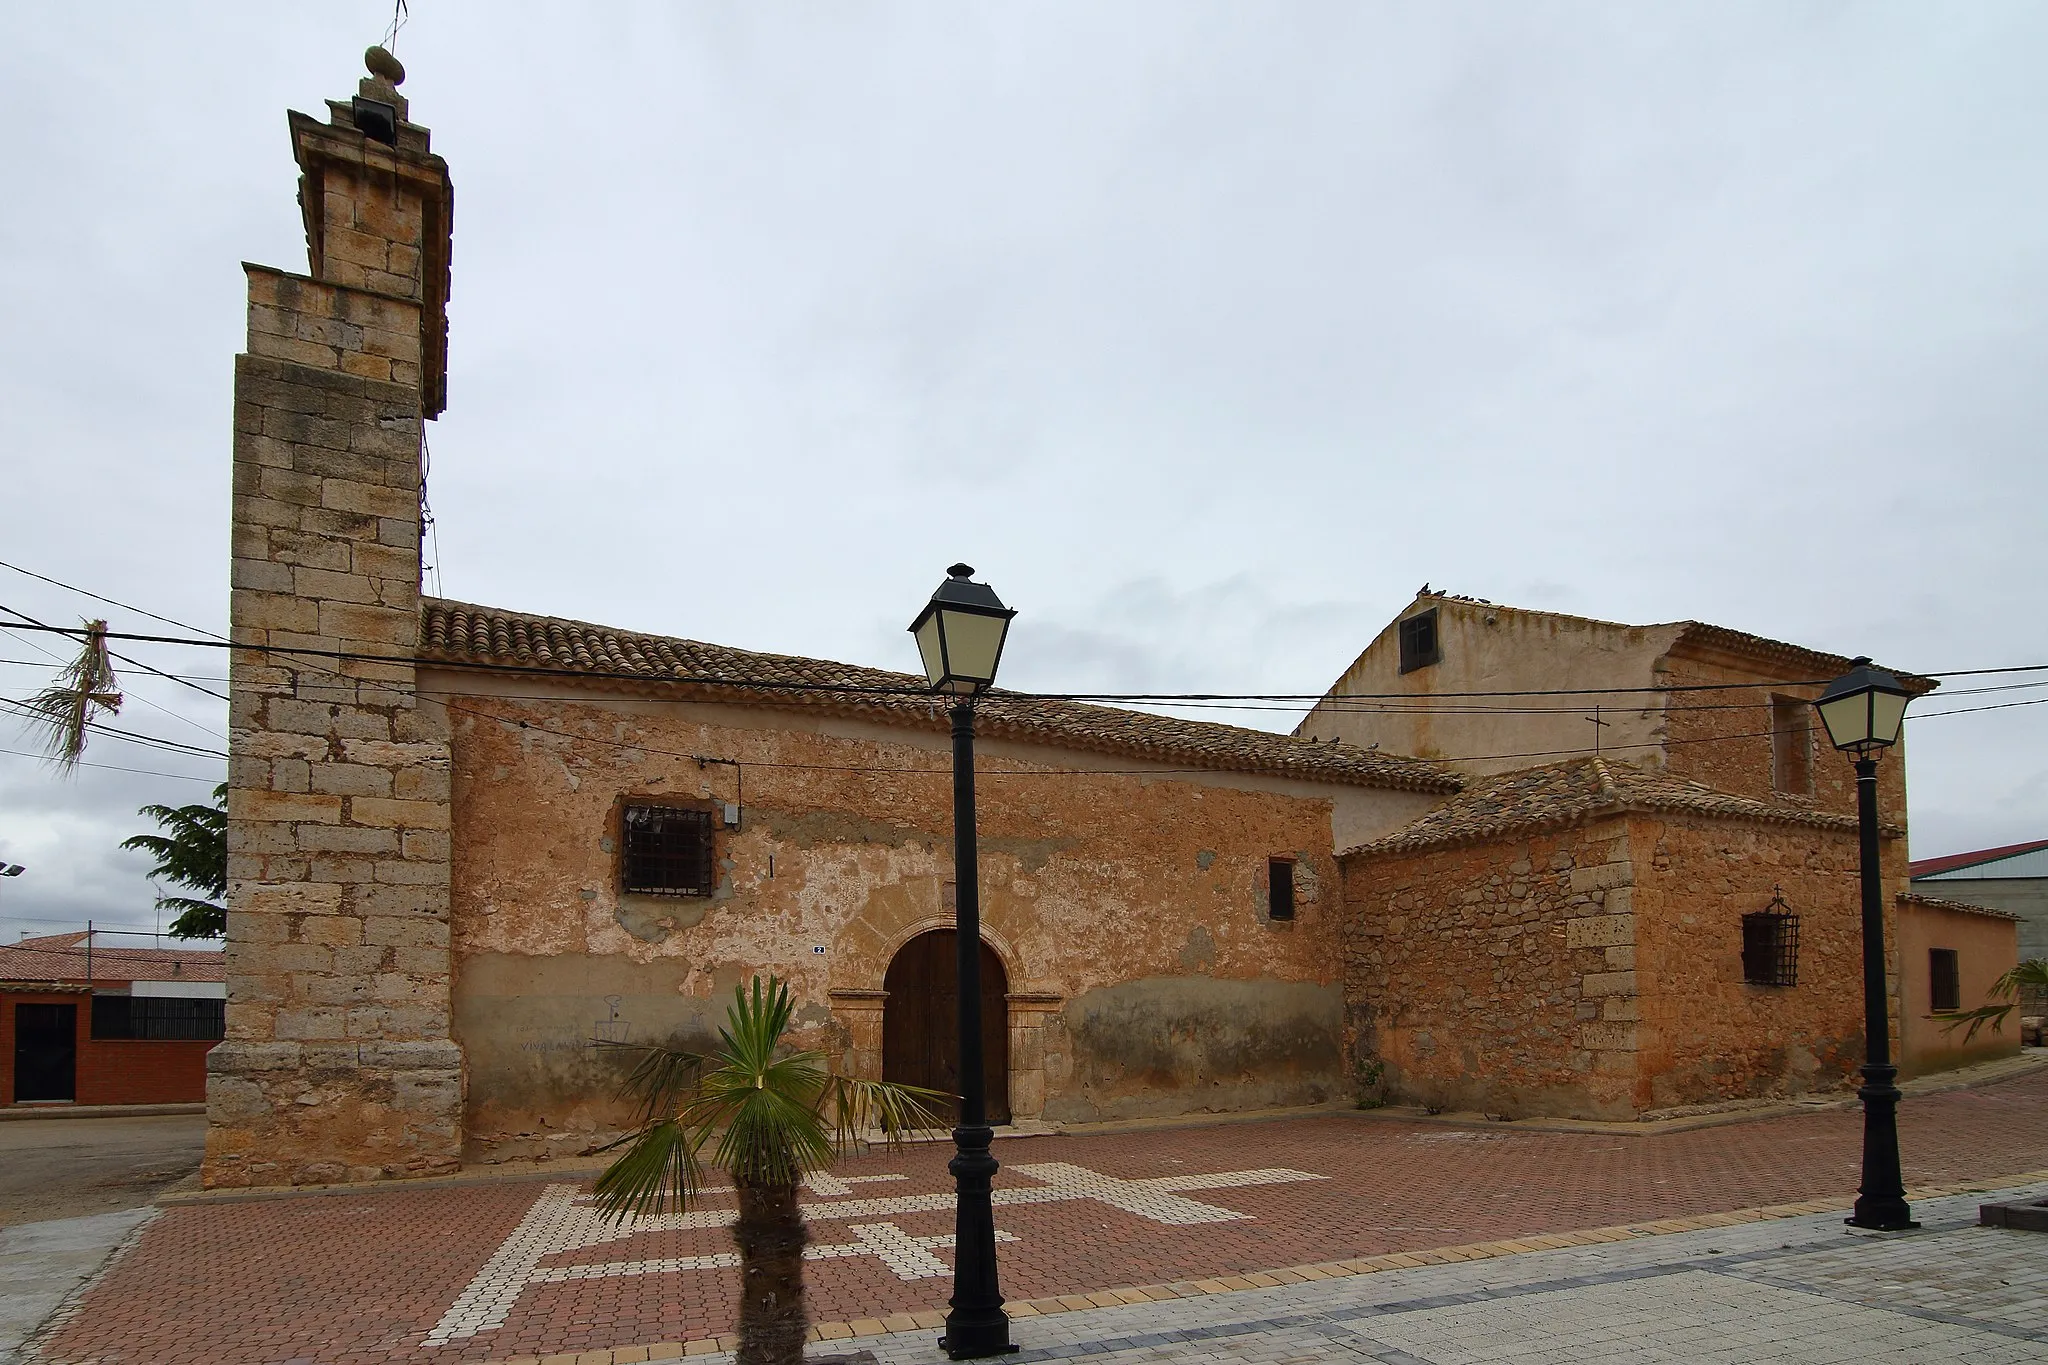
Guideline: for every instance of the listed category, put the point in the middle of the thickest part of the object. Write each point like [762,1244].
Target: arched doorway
[921,1021]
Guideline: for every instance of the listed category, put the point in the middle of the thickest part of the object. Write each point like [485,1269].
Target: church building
[471,845]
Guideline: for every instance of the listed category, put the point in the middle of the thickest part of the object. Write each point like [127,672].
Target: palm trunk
[770,1234]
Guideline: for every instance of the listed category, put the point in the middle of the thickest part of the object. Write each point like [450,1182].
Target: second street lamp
[1863,710]
[960,636]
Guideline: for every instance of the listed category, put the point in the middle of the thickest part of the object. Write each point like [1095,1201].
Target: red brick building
[85,1023]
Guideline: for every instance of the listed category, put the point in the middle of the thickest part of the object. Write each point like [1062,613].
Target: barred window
[666,852]
[158,1017]
[1419,647]
[1945,978]
[1770,948]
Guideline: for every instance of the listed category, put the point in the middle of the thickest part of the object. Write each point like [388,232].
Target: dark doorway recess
[45,1052]
[921,1022]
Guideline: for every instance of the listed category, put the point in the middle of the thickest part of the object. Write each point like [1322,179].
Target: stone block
[328,586]
[1622,958]
[388,754]
[292,807]
[345,839]
[1599,931]
[1614,1063]
[261,575]
[350,779]
[1602,876]
[406,931]
[388,900]
[403,873]
[424,784]
[384,812]
[333,930]
[1608,983]
[387,561]
[383,626]
[234,1058]
[272,611]
[378,500]
[1621,1009]
[427,845]
[234,1099]
[1608,1037]
[309,1024]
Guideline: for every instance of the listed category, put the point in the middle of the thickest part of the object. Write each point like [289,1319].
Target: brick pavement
[1801,1291]
[494,1270]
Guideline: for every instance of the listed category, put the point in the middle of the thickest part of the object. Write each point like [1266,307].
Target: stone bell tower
[338,1062]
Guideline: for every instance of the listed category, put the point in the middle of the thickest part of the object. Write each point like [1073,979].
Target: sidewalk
[496,1270]
[1798,1290]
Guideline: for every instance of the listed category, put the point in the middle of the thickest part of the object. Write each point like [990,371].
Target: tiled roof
[1939,903]
[62,957]
[459,632]
[1949,862]
[1816,664]
[1560,794]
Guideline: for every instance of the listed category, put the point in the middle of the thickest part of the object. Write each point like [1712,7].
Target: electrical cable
[917,690]
[115,767]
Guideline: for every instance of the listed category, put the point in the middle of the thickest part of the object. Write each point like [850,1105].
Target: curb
[16,1112]
[932,1319]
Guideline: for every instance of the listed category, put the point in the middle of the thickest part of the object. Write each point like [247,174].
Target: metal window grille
[667,852]
[1770,948]
[132,1017]
[1419,648]
[1945,978]
[1280,888]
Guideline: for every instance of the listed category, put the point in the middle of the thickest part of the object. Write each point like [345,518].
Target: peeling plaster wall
[1129,909]
[1491,648]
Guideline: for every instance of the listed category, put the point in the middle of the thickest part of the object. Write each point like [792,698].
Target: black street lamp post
[960,637]
[1863,711]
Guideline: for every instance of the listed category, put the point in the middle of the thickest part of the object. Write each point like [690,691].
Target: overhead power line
[117,768]
[919,691]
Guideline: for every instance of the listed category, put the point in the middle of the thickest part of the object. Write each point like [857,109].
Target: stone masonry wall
[1706,1035]
[1498,977]
[338,1062]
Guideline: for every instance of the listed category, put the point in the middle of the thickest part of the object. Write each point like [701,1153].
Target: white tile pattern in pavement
[1800,1291]
[561,1221]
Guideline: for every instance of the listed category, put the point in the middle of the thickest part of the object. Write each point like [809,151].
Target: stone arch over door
[920,1019]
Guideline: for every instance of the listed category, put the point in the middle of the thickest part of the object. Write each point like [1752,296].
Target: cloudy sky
[1207,332]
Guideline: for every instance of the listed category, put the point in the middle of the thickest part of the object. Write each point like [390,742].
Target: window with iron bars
[666,851]
[130,1017]
[1770,948]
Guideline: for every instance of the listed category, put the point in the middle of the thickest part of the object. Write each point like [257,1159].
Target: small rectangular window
[1280,888]
[1945,978]
[1419,647]
[1792,745]
[1770,949]
[666,852]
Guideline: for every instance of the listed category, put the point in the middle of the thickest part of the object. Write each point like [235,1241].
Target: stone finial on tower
[379,211]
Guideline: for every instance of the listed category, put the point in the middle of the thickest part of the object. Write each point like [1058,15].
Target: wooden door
[921,1022]
[45,1052]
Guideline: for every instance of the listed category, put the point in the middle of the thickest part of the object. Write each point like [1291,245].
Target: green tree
[192,853]
[2029,975]
[769,1114]
[64,710]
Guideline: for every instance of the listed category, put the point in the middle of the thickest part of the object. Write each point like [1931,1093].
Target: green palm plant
[193,853]
[768,1114]
[2029,975]
[63,711]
